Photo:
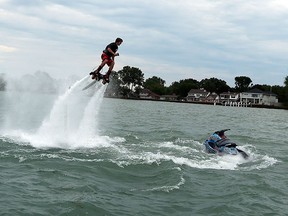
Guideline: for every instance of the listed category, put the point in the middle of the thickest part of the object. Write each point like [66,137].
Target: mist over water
[71,122]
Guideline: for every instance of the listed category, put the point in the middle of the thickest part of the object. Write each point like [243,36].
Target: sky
[170,39]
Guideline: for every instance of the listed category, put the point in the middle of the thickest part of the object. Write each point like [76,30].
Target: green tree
[156,85]
[262,87]
[125,91]
[242,83]
[214,85]
[280,92]
[131,78]
[182,87]
[286,91]
[286,82]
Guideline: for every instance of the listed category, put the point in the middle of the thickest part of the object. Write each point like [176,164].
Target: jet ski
[219,144]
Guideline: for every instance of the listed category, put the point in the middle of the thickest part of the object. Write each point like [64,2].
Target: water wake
[191,153]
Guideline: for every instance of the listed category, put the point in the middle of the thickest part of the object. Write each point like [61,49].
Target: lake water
[82,154]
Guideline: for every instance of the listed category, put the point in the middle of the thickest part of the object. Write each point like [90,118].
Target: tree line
[129,81]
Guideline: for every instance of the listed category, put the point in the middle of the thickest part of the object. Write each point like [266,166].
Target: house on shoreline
[256,96]
[253,97]
[147,94]
[197,95]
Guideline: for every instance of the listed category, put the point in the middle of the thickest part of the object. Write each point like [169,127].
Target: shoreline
[203,103]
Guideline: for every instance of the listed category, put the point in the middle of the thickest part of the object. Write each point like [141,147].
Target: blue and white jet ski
[219,144]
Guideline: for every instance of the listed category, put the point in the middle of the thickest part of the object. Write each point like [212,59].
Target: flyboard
[89,85]
[97,78]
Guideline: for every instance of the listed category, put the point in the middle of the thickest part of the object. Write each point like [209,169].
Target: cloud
[170,39]
[4,48]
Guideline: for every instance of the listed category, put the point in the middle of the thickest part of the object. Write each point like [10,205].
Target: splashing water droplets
[72,122]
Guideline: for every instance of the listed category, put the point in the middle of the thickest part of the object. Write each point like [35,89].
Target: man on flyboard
[107,58]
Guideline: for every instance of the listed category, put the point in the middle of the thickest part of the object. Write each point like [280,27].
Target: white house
[147,94]
[197,95]
[256,96]
[229,97]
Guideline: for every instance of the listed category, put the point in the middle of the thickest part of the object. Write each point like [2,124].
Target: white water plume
[72,120]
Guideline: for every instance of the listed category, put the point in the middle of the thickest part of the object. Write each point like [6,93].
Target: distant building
[172,97]
[197,95]
[229,97]
[258,97]
[212,98]
[254,96]
[147,94]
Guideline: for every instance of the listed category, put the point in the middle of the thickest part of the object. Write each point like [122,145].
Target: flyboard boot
[96,74]
[106,77]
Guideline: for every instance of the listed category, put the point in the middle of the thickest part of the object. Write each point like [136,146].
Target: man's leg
[111,66]
[107,75]
[97,71]
[105,61]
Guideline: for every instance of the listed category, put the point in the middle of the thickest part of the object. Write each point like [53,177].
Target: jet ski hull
[227,148]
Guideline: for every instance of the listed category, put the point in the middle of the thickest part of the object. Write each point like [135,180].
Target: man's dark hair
[118,40]
[221,132]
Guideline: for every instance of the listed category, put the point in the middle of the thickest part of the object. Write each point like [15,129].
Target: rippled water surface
[80,154]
